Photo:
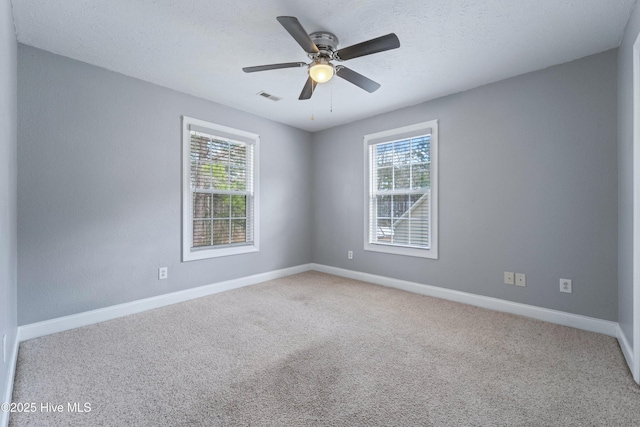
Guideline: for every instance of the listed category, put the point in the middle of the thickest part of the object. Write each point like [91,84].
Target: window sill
[399,250]
[218,252]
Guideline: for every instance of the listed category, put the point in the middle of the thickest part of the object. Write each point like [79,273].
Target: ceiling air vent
[269,96]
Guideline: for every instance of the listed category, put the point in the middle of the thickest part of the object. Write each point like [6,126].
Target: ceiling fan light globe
[321,72]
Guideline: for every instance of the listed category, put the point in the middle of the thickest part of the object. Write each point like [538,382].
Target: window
[219,196]
[401,206]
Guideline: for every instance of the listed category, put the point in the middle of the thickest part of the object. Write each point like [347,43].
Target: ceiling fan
[321,48]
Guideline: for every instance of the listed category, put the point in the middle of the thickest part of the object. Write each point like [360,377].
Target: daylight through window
[402,202]
[221,190]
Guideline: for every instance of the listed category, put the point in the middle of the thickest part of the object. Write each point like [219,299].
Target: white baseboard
[627,350]
[13,359]
[39,329]
[65,323]
[545,314]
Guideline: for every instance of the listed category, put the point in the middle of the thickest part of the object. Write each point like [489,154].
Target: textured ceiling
[200,46]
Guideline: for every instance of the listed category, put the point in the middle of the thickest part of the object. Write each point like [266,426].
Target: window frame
[189,253]
[403,133]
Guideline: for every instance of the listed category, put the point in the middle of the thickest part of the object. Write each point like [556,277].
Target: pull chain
[331,105]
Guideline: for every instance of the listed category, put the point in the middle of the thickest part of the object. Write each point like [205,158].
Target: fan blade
[357,79]
[273,67]
[293,26]
[308,89]
[380,44]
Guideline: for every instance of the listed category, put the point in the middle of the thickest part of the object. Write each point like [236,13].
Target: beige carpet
[315,349]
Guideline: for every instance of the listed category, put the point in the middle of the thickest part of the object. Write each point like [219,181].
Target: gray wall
[8,171]
[528,183]
[625,175]
[527,173]
[99,192]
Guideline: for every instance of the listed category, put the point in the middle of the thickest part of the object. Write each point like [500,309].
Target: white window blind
[401,180]
[221,187]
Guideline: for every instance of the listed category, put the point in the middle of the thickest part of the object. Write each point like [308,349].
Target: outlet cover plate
[509,278]
[521,279]
[163,273]
[566,286]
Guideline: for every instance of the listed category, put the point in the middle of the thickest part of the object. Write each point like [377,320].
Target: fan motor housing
[327,43]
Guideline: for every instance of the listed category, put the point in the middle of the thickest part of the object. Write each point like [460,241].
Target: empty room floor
[317,349]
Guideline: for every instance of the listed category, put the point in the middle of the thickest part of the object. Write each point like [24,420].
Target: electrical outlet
[350,255]
[521,279]
[508,278]
[163,273]
[565,286]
